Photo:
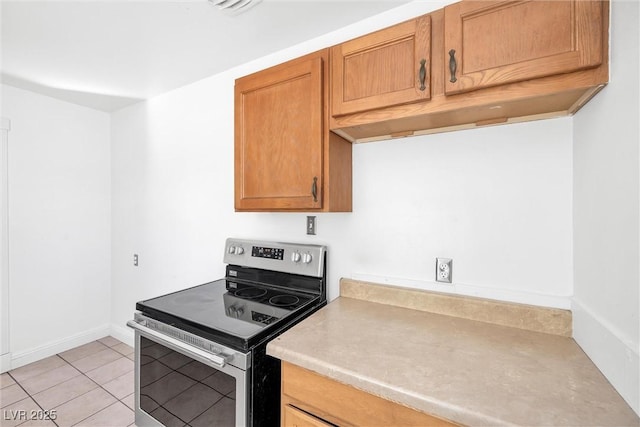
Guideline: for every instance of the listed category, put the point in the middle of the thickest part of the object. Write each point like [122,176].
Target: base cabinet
[311,400]
[294,417]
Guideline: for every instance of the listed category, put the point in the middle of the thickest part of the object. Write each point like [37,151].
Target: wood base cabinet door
[293,417]
[489,43]
[279,137]
[385,68]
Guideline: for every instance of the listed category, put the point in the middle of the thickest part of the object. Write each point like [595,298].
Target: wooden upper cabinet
[489,43]
[388,67]
[285,157]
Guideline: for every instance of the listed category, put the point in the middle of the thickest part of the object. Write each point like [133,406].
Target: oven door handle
[218,360]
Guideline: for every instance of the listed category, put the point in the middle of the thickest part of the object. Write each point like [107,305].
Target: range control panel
[271,253]
[294,258]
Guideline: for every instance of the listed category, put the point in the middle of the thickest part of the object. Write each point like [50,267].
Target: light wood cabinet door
[388,67]
[343,405]
[279,137]
[293,417]
[489,43]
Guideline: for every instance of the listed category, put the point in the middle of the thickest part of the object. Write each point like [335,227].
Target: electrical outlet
[311,225]
[135,260]
[444,270]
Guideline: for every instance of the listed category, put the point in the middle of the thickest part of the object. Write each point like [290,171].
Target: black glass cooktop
[233,313]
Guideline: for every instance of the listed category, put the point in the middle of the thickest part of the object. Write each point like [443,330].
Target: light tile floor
[90,385]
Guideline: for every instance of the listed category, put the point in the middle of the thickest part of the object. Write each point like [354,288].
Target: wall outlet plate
[444,270]
[311,225]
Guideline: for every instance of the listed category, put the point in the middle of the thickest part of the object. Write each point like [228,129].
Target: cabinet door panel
[499,42]
[382,68]
[344,405]
[279,142]
[293,417]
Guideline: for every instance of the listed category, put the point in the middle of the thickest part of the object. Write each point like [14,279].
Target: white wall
[606,216]
[5,356]
[497,200]
[59,224]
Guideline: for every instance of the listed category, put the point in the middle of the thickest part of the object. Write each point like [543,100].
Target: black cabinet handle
[423,74]
[314,189]
[452,65]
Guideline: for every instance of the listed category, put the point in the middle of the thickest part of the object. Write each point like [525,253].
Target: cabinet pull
[314,189]
[452,65]
[423,74]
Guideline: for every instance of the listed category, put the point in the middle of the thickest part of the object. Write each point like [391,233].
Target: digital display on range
[271,253]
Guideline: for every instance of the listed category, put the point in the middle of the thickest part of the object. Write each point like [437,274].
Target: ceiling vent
[234,7]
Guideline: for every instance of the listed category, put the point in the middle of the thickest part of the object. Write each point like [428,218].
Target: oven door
[177,383]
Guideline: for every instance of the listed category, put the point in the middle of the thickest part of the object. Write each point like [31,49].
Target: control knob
[232,249]
[306,258]
[239,250]
[295,257]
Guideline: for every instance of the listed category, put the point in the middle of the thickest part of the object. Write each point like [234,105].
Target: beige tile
[18,412]
[83,407]
[38,423]
[6,380]
[130,401]
[123,349]
[116,415]
[111,371]
[121,386]
[64,392]
[83,351]
[37,368]
[96,360]
[109,341]
[11,394]
[49,379]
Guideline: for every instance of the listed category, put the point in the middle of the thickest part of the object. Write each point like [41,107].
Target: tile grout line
[81,374]
[100,386]
[30,397]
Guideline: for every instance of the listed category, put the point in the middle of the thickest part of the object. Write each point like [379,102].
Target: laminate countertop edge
[465,371]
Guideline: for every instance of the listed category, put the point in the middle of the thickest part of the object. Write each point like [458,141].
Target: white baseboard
[5,362]
[122,333]
[614,355]
[33,355]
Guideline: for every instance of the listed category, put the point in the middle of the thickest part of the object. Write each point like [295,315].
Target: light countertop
[465,371]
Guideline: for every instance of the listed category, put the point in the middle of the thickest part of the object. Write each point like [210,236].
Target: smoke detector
[234,7]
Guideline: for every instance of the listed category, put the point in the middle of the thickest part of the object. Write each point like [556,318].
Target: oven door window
[177,390]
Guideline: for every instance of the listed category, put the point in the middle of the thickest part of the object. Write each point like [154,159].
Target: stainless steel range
[200,353]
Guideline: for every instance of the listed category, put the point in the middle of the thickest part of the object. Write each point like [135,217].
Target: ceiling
[112,53]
